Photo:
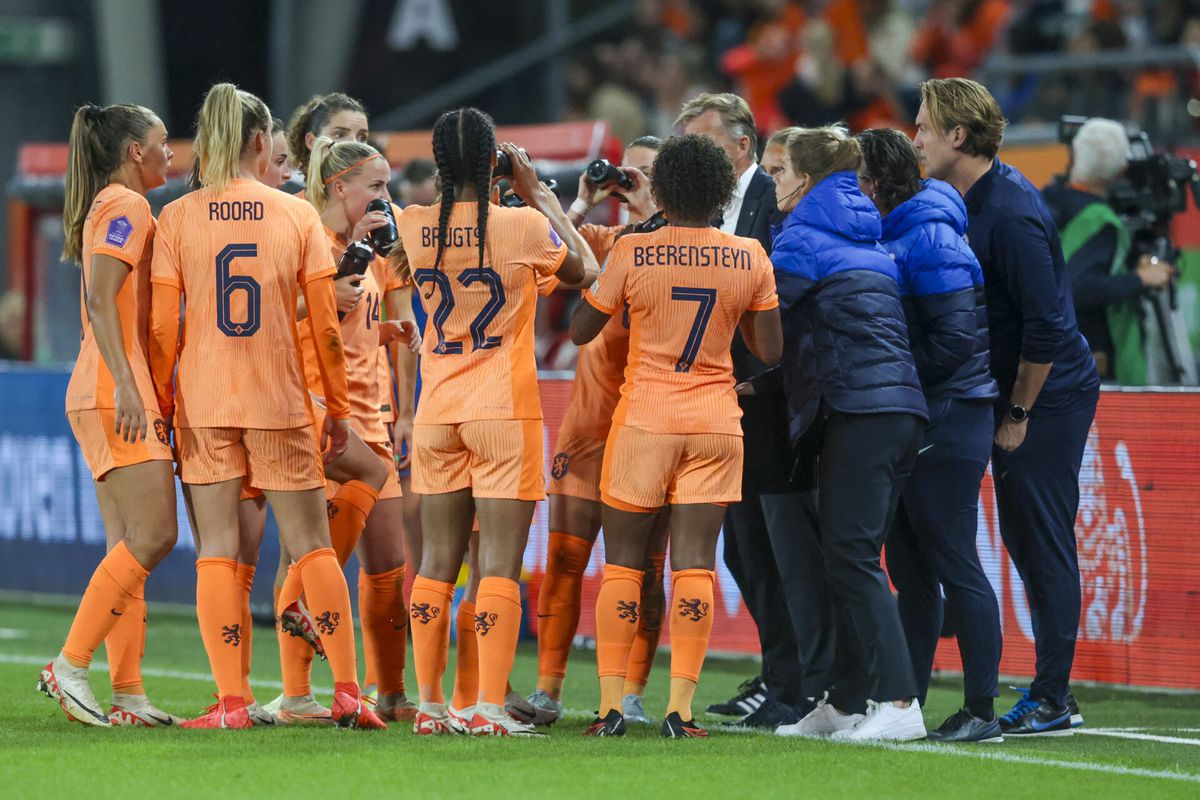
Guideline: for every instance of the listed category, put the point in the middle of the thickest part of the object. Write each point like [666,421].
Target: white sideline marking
[1013,758]
[150,672]
[1125,733]
[13,633]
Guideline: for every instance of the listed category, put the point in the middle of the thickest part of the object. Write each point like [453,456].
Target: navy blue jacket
[1031,314]
[845,338]
[941,285]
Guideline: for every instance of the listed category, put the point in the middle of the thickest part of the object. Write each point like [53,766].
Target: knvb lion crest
[693,609]
[232,634]
[628,610]
[161,432]
[327,623]
[484,622]
[562,465]
[331,510]
[425,613]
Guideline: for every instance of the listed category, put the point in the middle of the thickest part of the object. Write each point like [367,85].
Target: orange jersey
[366,361]
[600,369]
[687,289]
[119,224]
[477,360]
[240,257]
[389,280]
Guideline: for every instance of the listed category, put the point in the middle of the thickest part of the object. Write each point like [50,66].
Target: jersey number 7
[707,298]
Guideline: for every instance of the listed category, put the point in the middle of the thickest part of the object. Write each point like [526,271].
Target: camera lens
[383,239]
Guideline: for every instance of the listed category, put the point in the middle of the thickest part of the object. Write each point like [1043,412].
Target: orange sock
[429,615]
[118,578]
[385,627]
[245,577]
[466,658]
[348,512]
[497,627]
[328,599]
[618,609]
[219,611]
[368,640]
[691,621]
[645,644]
[559,601]
[295,655]
[126,644]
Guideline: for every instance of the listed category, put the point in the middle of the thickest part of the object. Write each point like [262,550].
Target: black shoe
[966,727]
[751,695]
[769,716]
[1031,717]
[675,728]
[1073,707]
[613,724]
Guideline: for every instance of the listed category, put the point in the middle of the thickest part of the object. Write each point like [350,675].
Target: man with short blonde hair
[1037,356]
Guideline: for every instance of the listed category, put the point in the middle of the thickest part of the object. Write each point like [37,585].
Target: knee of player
[375,474]
[153,543]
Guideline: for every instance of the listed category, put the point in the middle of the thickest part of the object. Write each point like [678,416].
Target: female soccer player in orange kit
[344,177]
[238,253]
[117,154]
[477,440]
[676,437]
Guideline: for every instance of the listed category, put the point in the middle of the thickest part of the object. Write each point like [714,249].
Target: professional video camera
[1154,188]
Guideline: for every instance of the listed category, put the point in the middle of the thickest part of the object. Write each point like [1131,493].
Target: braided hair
[464,143]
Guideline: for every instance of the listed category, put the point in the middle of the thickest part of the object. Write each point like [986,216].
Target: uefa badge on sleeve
[118,231]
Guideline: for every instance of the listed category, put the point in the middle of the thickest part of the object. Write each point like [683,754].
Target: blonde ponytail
[330,161]
[97,148]
[228,120]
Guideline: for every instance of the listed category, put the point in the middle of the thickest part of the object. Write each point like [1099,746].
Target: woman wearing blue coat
[847,369]
[932,539]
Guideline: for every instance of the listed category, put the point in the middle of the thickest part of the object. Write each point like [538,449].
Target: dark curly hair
[890,160]
[693,178]
[311,117]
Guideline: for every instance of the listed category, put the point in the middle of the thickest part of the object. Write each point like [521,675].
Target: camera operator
[1105,281]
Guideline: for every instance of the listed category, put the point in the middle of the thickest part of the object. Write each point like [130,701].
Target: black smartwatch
[1018,412]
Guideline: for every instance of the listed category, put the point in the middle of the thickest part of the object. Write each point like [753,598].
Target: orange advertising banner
[1138,530]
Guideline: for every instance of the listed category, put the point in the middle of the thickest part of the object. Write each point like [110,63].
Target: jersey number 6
[480,340]
[228,284]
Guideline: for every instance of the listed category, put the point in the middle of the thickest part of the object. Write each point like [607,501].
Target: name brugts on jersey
[236,210]
[686,255]
[455,237]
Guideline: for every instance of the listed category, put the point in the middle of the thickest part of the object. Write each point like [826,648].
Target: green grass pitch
[43,756]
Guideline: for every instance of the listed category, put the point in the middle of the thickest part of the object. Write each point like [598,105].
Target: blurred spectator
[418,183]
[958,35]
[12,326]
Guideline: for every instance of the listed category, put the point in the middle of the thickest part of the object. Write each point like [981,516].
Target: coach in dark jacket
[1047,376]
[847,368]
[768,492]
[932,540]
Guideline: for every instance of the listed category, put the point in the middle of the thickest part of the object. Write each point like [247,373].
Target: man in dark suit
[773,698]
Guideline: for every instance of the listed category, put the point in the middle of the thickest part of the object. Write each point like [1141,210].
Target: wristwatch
[1018,412]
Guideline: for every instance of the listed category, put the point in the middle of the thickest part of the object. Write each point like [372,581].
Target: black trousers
[932,542]
[1037,496]
[865,460]
[794,528]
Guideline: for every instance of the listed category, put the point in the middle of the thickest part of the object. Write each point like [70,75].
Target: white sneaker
[137,710]
[68,684]
[303,710]
[885,721]
[259,715]
[433,720]
[460,719]
[492,720]
[633,710]
[824,720]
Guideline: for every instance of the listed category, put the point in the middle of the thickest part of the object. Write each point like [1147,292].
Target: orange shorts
[575,470]
[495,458]
[276,460]
[644,471]
[104,450]
[391,489]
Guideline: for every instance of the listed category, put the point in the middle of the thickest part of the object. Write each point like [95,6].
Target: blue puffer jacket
[941,285]
[845,338]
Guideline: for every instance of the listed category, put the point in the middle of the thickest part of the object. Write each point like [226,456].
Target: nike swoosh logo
[923,449]
[95,714]
[161,720]
[545,616]
[1044,726]
[116,613]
